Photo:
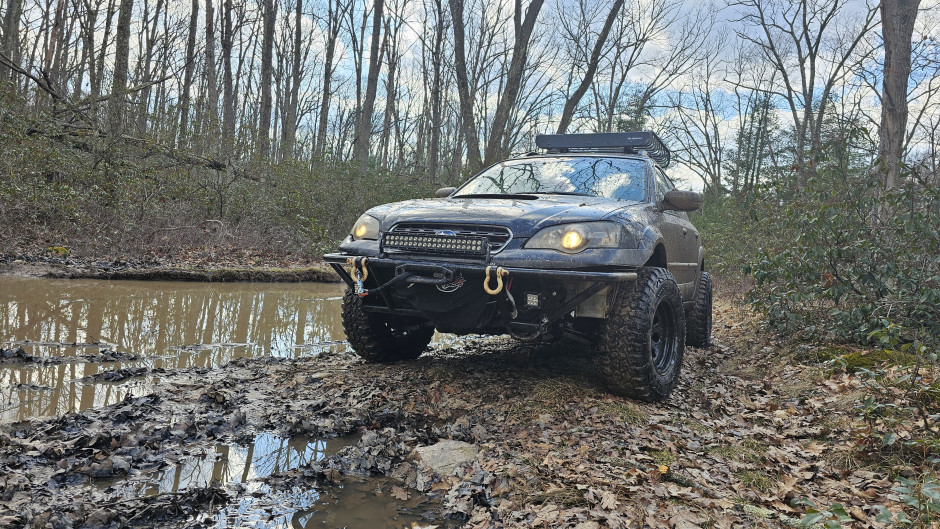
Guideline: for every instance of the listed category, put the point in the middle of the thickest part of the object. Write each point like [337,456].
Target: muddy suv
[588,239]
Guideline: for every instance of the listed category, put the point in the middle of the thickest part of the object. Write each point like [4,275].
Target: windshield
[620,178]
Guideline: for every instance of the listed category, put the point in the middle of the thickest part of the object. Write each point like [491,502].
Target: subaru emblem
[445,232]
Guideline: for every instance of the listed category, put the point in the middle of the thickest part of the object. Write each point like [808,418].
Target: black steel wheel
[383,338]
[699,321]
[643,338]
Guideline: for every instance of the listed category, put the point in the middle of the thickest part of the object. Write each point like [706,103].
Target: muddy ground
[742,436]
[203,265]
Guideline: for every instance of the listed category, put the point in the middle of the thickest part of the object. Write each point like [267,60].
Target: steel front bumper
[339,262]
[375,279]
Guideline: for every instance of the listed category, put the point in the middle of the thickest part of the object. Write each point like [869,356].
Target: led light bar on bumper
[454,244]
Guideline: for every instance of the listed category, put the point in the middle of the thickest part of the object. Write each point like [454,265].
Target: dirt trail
[555,449]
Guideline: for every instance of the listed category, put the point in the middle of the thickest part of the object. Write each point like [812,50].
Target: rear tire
[643,337]
[383,338]
[699,322]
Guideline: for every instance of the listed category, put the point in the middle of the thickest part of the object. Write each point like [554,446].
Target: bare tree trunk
[289,127]
[228,95]
[119,82]
[391,91]
[52,50]
[335,13]
[520,54]
[393,58]
[468,124]
[572,103]
[364,132]
[897,23]
[212,77]
[146,67]
[434,145]
[188,75]
[10,41]
[267,52]
[87,23]
[99,61]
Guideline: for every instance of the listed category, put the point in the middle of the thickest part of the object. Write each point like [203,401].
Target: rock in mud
[445,456]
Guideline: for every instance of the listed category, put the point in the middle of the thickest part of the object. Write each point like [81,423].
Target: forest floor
[746,432]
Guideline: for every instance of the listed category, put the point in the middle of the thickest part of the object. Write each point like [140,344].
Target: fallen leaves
[556,450]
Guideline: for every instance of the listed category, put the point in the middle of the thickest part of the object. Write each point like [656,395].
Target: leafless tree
[577,35]
[699,127]
[267,73]
[813,46]
[190,69]
[119,81]
[10,37]
[364,130]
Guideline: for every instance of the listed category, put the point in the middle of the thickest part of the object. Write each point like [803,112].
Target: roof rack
[644,142]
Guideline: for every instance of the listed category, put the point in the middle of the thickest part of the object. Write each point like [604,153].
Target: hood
[523,217]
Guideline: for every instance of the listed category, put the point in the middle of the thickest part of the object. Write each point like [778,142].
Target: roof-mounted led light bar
[628,142]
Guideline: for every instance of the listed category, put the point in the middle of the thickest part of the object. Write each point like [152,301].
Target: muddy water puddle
[245,468]
[68,326]
[77,345]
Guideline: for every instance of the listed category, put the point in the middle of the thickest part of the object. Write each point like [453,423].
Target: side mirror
[444,192]
[679,200]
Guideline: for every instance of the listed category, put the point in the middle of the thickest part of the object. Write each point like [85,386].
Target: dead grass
[758,480]
[568,497]
[627,411]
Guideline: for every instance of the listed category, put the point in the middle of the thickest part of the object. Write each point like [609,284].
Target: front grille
[448,238]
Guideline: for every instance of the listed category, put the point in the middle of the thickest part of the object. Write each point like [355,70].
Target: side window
[662,183]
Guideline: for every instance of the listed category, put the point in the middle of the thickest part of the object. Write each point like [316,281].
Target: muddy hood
[523,217]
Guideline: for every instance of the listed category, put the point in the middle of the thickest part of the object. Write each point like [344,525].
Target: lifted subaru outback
[588,240]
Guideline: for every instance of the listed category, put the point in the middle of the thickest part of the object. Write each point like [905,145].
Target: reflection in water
[149,318]
[365,504]
[224,465]
[171,324]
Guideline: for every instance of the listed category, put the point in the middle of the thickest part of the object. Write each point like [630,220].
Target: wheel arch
[658,258]
[652,241]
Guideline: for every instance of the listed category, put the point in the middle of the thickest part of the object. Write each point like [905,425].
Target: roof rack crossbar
[628,142]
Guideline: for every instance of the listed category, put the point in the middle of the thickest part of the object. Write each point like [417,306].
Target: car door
[682,241]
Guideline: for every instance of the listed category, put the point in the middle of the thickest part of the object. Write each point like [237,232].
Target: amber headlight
[366,227]
[573,238]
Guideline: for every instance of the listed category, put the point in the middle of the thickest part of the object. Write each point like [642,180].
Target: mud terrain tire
[699,322]
[382,338]
[644,336]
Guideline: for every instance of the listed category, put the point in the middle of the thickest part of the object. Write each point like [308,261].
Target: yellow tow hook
[500,274]
[360,272]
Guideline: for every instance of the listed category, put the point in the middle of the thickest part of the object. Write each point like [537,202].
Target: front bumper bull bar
[440,273]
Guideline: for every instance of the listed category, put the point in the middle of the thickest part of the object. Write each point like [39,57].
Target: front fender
[649,240]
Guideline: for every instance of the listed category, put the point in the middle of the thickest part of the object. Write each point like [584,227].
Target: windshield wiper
[520,196]
[573,193]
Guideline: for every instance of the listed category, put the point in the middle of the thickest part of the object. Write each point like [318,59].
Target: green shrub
[733,228]
[851,262]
